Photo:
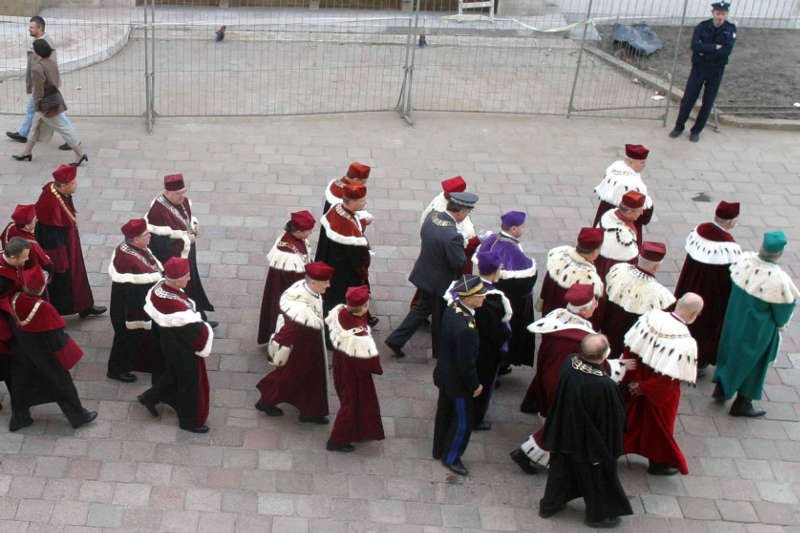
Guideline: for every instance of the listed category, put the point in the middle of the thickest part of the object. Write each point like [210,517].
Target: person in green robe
[762,299]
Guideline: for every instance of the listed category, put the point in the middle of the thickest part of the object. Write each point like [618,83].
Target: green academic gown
[751,331]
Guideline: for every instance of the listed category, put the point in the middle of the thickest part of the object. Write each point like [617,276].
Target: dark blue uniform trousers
[453,427]
[711,78]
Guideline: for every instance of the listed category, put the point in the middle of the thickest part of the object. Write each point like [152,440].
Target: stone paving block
[659,505]
[216,522]
[776,492]
[26,487]
[180,521]
[105,515]
[34,510]
[460,516]
[58,489]
[285,524]
[69,513]
[698,508]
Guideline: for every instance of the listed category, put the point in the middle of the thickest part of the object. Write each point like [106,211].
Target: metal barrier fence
[277,57]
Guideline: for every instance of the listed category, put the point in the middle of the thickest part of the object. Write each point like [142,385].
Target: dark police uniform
[440,260]
[456,376]
[708,65]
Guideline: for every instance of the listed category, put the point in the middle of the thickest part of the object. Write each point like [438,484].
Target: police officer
[456,373]
[441,259]
[712,44]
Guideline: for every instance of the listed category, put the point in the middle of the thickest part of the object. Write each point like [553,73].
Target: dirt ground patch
[762,77]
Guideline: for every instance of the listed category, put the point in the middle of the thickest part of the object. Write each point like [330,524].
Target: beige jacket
[44,73]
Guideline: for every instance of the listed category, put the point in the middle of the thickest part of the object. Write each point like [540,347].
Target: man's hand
[478,391]
[633,388]
[629,364]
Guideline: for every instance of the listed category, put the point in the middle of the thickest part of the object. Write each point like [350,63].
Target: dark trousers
[487,375]
[178,387]
[120,360]
[39,378]
[452,428]
[427,304]
[698,77]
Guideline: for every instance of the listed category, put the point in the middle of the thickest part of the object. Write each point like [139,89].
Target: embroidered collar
[342,211]
[587,368]
[60,197]
[162,290]
[177,211]
[145,256]
[30,316]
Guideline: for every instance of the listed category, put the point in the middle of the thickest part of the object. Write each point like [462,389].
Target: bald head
[594,348]
[689,307]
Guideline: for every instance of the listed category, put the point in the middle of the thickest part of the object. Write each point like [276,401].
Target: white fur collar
[711,252]
[560,320]
[636,291]
[347,240]
[348,340]
[301,305]
[665,344]
[171,320]
[287,261]
[136,279]
[763,280]
[619,179]
[508,310]
[567,267]
[619,240]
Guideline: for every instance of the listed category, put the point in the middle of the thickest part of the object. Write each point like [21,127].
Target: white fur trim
[136,279]
[171,320]
[364,216]
[619,239]
[348,240]
[278,354]
[618,370]
[139,324]
[711,252]
[559,320]
[636,291]
[536,453]
[619,179]
[301,305]
[329,197]
[348,340]
[287,261]
[665,344]
[508,310]
[763,280]
[206,350]
[166,231]
[517,274]
[194,222]
[567,267]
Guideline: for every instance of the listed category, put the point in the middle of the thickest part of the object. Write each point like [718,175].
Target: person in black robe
[41,356]
[584,433]
[14,255]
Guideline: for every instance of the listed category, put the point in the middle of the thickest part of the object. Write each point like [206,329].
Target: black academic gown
[584,435]
[522,345]
[493,334]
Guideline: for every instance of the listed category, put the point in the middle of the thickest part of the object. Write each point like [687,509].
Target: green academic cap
[774,242]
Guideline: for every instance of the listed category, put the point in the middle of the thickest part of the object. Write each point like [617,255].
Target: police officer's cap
[721,6]
[464,199]
[469,285]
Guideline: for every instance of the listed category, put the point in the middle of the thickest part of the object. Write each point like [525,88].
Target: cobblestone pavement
[252,473]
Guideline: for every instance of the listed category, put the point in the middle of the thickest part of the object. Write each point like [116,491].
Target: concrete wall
[31,7]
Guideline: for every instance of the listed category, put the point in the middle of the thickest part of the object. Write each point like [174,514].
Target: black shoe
[16,136]
[77,163]
[346,448]
[197,429]
[661,469]
[212,323]
[88,416]
[694,137]
[483,425]
[18,423]
[149,406]
[65,147]
[28,157]
[718,394]
[396,350]
[675,133]
[321,420]
[744,407]
[95,310]
[127,377]
[701,373]
[548,514]
[373,321]
[522,460]
[270,410]
[457,468]
[606,523]
[505,370]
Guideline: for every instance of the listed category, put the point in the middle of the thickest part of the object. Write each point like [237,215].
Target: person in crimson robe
[297,351]
[355,360]
[633,290]
[441,258]
[41,356]
[762,300]
[173,232]
[185,340]
[14,256]
[57,233]
[133,271]
[456,374]
[584,433]
[348,251]
[665,355]
[494,330]
[622,176]
[710,251]
[357,174]
[568,265]
[23,224]
[622,236]
[287,260]
[517,278]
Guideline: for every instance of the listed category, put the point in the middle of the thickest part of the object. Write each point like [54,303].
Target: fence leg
[148,116]
[153,61]
[674,64]
[586,23]
[404,100]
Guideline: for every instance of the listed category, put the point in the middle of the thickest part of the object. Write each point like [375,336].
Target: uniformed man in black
[712,44]
[456,373]
[441,259]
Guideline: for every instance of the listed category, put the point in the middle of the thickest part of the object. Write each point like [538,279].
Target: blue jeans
[25,128]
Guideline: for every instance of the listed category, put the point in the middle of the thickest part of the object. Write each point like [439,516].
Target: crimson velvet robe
[57,233]
[651,415]
[37,257]
[554,349]
[286,261]
[359,416]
